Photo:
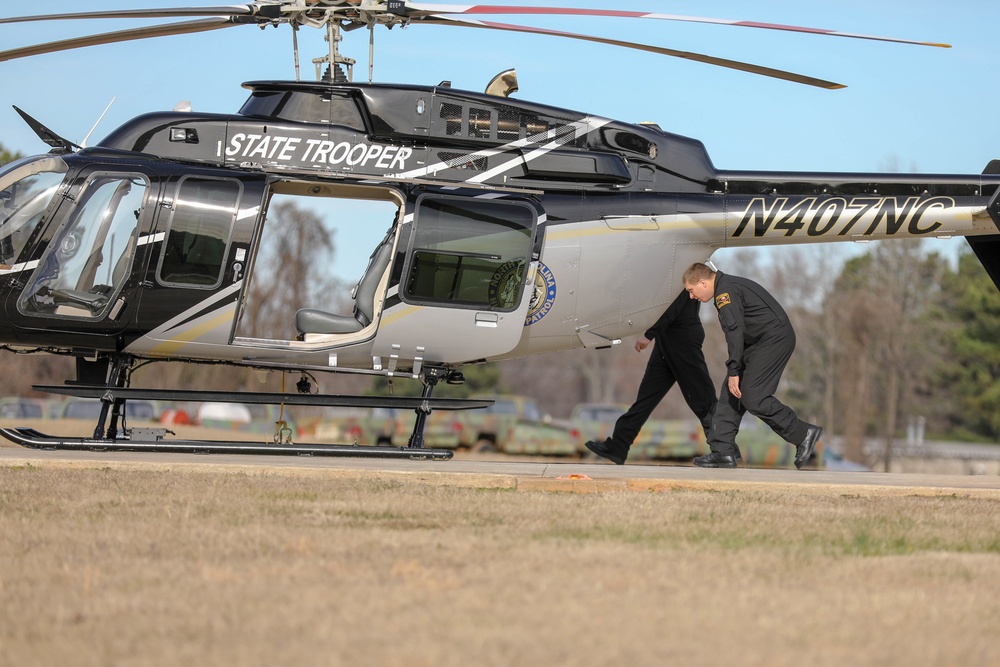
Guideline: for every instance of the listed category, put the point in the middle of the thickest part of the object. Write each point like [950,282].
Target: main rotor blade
[687,55]
[183,28]
[169,13]
[415,11]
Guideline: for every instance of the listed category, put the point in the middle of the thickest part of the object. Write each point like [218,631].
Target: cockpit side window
[89,258]
[26,189]
[194,251]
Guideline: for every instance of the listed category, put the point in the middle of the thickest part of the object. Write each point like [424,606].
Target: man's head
[699,281]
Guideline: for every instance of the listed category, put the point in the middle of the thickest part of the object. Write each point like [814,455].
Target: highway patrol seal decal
[505,283]
[722,300]
[543,295]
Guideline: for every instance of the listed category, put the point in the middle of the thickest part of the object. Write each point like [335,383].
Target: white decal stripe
[580,128]
[155,238]
[448,164]
[17,268]
[584,125]
[187,314]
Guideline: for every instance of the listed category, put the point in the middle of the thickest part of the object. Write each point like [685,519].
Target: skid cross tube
[268,398]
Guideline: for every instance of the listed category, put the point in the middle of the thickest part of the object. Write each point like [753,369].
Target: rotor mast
[333,59]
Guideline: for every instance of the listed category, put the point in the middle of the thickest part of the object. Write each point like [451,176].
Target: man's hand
[734,386]
[641,344]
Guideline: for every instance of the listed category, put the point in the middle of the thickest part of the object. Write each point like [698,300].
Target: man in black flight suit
[760,340]
[676,357]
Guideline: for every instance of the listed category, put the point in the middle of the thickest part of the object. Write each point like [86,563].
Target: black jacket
[681,320]
[747,313]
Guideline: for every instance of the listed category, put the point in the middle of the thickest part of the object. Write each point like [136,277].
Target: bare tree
[910,284]
[854,314]
[290,271]
[881,314]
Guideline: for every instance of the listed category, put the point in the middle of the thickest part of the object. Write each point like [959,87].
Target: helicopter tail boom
[780,208]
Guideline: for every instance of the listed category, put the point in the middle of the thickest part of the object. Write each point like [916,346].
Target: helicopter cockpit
[88,260]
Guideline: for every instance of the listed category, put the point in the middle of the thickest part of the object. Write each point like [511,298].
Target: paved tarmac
[521,474]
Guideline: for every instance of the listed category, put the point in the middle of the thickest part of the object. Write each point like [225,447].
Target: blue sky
[906,108]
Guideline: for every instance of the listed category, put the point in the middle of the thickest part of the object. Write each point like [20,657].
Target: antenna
[83,144]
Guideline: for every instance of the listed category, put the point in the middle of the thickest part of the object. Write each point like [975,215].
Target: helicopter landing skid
[151,440]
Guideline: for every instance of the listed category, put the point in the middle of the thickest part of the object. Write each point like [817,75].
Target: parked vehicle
[335,425]
[90,409]
[16,407]
[393,426]
[834,461]
[516,425]
[251,418]
[658,439]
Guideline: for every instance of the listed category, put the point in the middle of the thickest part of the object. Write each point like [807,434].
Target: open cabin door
[460,293]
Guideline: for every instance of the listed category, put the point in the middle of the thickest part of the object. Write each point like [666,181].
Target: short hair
[696,272]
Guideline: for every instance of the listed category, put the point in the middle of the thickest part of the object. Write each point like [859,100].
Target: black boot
[804,450]
[609,450]
[717,460]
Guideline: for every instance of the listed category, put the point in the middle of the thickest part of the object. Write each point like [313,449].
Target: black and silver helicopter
[143,246]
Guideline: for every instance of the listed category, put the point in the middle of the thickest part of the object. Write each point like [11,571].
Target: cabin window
[90,257]
[469,252]
[25,192]
[194,250]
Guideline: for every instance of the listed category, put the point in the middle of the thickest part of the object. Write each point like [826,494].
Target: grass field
[137,566]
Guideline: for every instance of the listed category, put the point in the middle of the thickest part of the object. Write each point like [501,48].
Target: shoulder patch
[722,300]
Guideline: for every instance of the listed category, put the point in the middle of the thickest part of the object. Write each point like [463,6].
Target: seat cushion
[310,320]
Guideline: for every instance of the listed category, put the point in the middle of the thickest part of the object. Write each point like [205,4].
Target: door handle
[491,320]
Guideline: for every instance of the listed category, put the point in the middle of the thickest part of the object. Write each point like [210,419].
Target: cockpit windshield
[26,188]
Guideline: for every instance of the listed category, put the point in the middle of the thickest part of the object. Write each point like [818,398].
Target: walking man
[676,357]
[760,340]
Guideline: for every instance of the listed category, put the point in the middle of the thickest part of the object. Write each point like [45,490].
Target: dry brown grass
[150,567]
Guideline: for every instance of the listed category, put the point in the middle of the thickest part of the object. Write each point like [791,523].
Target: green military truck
[658,439]
[394,426]
[512,425]
[515,425]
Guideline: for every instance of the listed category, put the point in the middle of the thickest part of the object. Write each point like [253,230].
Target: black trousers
[764,361]
[674,359]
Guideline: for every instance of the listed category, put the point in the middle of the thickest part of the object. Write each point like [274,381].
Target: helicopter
[519,228]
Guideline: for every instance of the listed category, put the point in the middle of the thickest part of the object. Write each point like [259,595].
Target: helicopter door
[78,284]
[461,295]
[198,269]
